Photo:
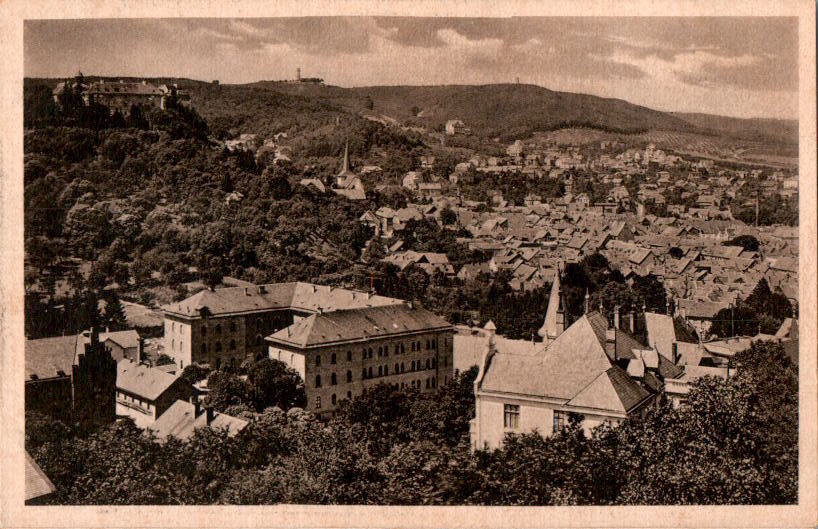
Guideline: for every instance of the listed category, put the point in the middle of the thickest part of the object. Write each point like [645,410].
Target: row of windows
[382,371]
[382,351]
[333,399]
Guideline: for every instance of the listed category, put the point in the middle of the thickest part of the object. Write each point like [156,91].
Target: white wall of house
[178,342]
[489,429]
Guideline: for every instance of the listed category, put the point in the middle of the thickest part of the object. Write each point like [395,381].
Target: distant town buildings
[121,96]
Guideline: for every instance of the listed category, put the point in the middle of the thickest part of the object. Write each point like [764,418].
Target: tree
[114,314]
[273,383]
[165,360]
[447,216]
[194,373]
[748,242]
[226,389]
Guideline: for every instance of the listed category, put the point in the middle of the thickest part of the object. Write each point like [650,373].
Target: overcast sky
[744,67]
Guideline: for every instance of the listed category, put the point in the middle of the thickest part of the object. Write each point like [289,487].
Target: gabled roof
[141,380]
[299,296]
[661,333]
[359,324]
[37,483]
[46,357]
[179,421]
[611,390]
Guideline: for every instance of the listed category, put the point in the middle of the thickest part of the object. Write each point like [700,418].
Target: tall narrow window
[318,402]
[369,372]
[428,363]
[397,368]
[349,376]
[559,420]
[232,344]
[318,381]
[511,416]
[349,356]
[402,368]
[349,395]
[380,371]
[380,352]
[333,399]
[334,379]
[363,374]
[413,347]
[385,370]
[434,344]
[402,349]
[428,345]
[318,360]
[333,359]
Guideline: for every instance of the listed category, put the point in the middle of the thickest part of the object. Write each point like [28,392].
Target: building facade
[340,354]
[228,325]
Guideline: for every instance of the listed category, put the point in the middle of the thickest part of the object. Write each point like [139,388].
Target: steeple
[587,301]
[554,323]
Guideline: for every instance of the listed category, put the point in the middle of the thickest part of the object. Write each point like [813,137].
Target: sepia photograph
[373,260]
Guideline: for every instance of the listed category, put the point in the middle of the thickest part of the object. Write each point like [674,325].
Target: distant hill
[755,129]
[507,111]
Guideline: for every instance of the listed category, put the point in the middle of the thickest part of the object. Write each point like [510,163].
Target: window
[219,330]
[385,350]
[232,326]
[334,379]
[445,361]
[333,359]
[204,348]
[434,344]
[232,344]
[428,345]
[318,360]
[349,376]
[402,350]
[204,330]
[413,366]
[363,374]
[434,363]
[318,381]
[173,326]
[428,363]
[380,352]
[333,399]
[559,420]
[402,368]
[363,354]
[380,371]
[349,395]
[413,346]
[172,345]
[370,352]
[258,323]
[218,346]
[428,383]
[318,402]
[385,370]
[218,363]
[397,368]
[259,339]
[397,349]
[511,416]
[434,382]
[349,356]
[369,372]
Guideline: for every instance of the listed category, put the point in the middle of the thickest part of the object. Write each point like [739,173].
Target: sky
[743,67]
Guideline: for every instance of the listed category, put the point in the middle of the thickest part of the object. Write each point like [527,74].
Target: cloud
[459,44]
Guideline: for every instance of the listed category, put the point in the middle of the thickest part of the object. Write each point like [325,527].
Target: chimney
[211,413]
[197,409]
[140,350]
[616,317]
[630,317]
[587,301]
[675,350]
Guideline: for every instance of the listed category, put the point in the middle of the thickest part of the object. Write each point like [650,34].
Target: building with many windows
[341,353]
[228,325]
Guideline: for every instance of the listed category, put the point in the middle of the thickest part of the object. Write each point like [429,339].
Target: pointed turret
[345,172]
[554,323]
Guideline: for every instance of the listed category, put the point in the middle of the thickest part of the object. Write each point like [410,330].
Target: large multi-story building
[339,354]
[228,325]
[340,341]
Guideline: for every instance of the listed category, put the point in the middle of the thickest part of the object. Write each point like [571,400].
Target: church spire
[346,158]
